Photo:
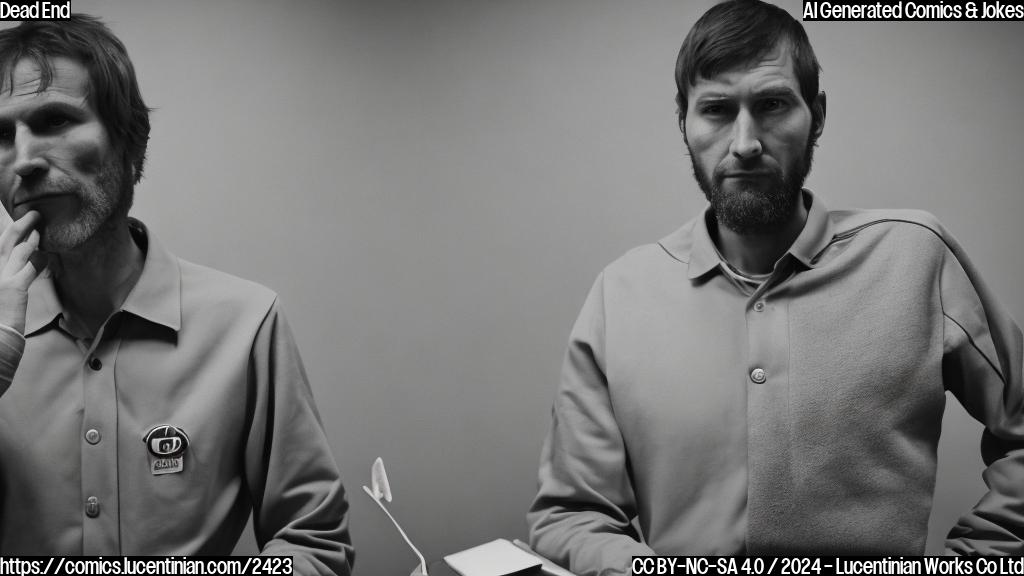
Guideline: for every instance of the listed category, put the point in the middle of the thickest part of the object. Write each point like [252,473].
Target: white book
[496,558]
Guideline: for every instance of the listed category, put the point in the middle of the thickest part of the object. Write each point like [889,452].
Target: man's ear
[681,113]
[818,116]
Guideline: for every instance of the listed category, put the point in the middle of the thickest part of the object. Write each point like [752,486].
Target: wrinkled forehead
[774,67]
[58,75]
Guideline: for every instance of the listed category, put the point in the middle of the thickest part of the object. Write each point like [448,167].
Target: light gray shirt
[801,418]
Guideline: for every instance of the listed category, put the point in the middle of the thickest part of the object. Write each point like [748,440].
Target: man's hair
[739,32]
[113,90]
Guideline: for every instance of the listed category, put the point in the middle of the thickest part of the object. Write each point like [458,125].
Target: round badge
[166,441]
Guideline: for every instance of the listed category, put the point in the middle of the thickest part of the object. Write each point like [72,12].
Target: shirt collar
[817,232]
[692,244]
[155,297]
[43,305]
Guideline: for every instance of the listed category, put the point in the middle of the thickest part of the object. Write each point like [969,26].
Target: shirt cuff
[12,346]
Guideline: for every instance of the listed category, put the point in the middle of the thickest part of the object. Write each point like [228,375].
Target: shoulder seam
[970,340]
[671,255]
[856,230]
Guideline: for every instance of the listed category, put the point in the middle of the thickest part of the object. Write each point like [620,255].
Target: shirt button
[92,436]
[758,376]
[95,364]
[92,507]
[759,306]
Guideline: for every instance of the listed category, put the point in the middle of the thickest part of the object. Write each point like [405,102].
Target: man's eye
[57,121]
[773,105]
[6,134]
[712,109]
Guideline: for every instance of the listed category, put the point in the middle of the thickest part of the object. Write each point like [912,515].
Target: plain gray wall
[432,186]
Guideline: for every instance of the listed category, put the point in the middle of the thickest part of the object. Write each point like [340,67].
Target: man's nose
[746,137]
[29,159]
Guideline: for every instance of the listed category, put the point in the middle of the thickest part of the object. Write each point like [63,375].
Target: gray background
[432,186]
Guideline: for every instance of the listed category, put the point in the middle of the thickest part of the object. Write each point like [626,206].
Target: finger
[33,239]
[5,220]
[20,227]
[19,257]
[22,270]
[27,251]
[17,232]
[28,273]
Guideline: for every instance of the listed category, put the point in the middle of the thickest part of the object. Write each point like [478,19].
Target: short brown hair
[739,32]
[113,89]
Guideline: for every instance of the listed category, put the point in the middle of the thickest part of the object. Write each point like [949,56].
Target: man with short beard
[770,378]
[149,404]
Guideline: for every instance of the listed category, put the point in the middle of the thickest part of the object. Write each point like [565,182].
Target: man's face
[56,157]
[748,132]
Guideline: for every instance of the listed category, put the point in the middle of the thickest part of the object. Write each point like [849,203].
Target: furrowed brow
[712,97]
[776,92]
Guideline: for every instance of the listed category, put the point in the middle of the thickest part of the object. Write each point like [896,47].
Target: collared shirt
[696,417]
[193,348]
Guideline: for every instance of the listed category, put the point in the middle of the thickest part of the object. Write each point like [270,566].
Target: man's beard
[103,203]
[761,206]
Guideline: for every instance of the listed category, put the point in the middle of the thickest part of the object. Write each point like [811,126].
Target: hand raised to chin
[20,265]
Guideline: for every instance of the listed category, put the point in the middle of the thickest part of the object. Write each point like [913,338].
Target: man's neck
[758,253]
[94,280]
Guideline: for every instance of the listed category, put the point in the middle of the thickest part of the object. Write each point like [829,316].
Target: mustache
[45,187]
[738,167]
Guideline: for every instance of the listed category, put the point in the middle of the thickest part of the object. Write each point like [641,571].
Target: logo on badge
[166,445]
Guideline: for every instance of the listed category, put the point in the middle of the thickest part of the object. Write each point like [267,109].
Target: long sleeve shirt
[191,348]
[699,415]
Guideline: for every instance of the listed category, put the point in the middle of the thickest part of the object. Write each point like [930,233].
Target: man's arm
[299,504]
[582,515]
[982,368]
[18,243]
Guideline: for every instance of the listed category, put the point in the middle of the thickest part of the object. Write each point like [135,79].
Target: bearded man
[771,378]
[149,404]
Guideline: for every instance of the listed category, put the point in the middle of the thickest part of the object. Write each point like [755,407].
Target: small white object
[379,481]
[382,490]
[495,558]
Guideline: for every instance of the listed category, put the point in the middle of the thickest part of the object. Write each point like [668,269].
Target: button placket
[768,413]
[99,449]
